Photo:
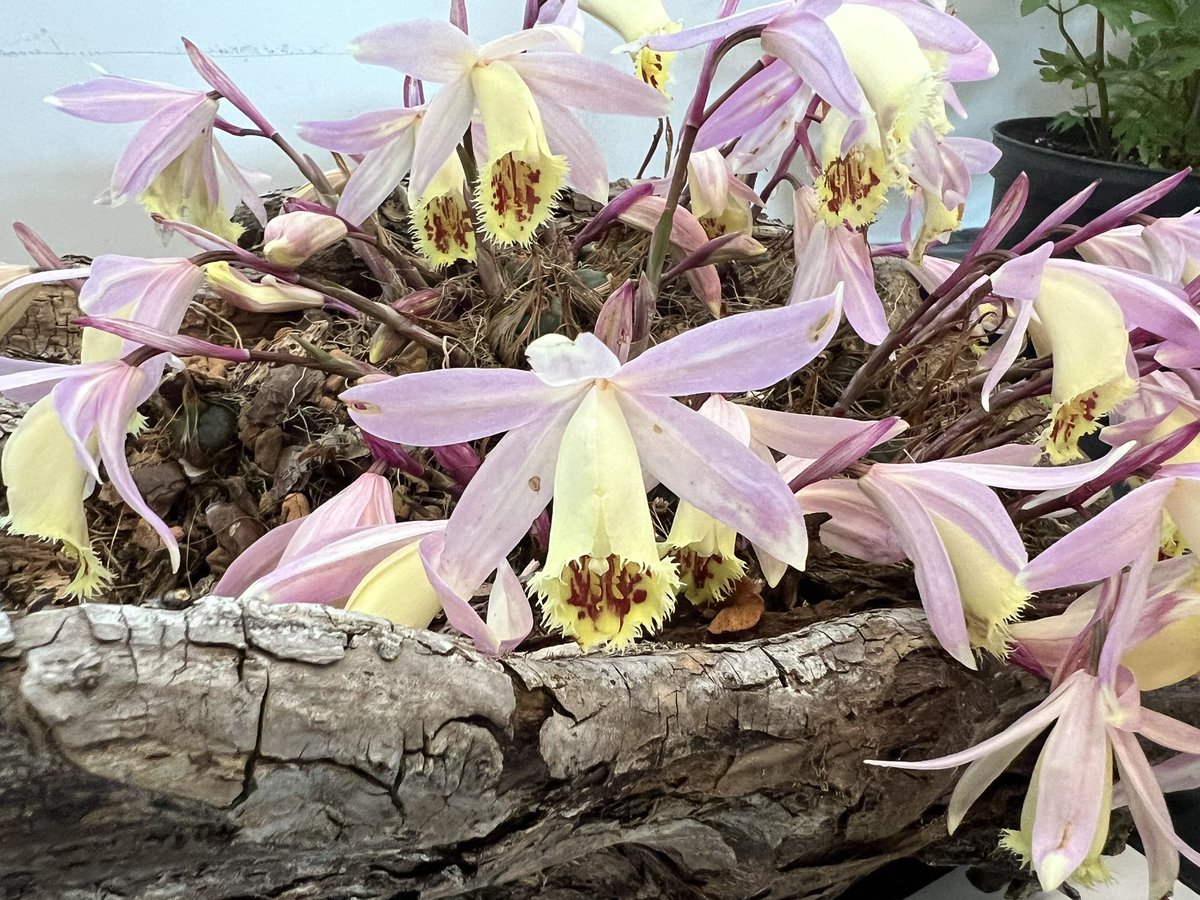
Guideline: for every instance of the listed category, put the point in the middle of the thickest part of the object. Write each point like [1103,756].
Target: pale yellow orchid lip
[603,582]
[521,178]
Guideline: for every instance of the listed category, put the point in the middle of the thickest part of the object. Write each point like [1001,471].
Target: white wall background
[291,59]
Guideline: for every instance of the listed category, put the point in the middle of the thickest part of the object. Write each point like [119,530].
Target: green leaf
[1028,6]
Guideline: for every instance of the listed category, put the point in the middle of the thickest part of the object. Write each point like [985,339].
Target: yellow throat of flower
[603,583]
[853,188]
[991,597]
[182,193]
[521,178]
[442,226]
[705,550]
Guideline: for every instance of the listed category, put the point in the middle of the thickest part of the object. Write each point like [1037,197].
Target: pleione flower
[1081,315]
[583,428]
[172,163]
[633,19]
[521,87]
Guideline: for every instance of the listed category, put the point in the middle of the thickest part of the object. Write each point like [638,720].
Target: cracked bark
[240,750]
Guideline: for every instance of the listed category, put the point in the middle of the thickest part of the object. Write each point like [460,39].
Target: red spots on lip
[615,589]
[848,181]
[514,189]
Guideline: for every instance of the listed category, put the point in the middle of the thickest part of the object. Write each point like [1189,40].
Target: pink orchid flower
[1168,248]
[171,164]
[581,428]
[96,404]
[47,476]
[1081,314]
[967,556]
[1096,711]
[704,546]
[830,254]
[523,86]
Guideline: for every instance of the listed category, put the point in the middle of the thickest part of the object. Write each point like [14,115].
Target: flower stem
[697,113]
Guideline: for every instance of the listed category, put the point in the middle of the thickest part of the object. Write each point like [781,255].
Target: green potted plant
[1137,118]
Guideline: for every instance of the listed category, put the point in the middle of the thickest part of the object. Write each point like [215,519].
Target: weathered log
[241,750]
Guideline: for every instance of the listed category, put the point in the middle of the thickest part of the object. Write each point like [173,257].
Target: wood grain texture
[243,750]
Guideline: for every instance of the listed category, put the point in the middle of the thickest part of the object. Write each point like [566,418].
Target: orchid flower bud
[268,295]
[293,237]
[460,461]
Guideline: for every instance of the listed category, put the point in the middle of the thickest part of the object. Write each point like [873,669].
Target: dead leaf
[743,609]
[295,506]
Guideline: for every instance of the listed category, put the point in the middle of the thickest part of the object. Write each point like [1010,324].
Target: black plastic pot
[1055,176]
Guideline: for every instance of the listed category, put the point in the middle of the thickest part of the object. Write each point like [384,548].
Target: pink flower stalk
[581,428]
[171,164]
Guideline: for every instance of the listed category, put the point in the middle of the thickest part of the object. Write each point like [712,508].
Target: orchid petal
[582,83]
[111,430]
[1139,778]
[331,575]
[1031,478]
[1168,732]
[750,105]
[932,567]
[164,136]
[509,615]
[412,409]
[547,38]
[223,84]
[809,436]
[803,42]
[560,362]
[1104,544]
[703,464]
[455,599]
[978,777]
[857,527]
[157,290]
[736,354]
[250,195]
[114,99]
[587,172]
[380,172]
[257,560]
[442,128]
[711,31]
[1025,727]
[427,49]
[361,134]
[1073,777]
[514,484]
